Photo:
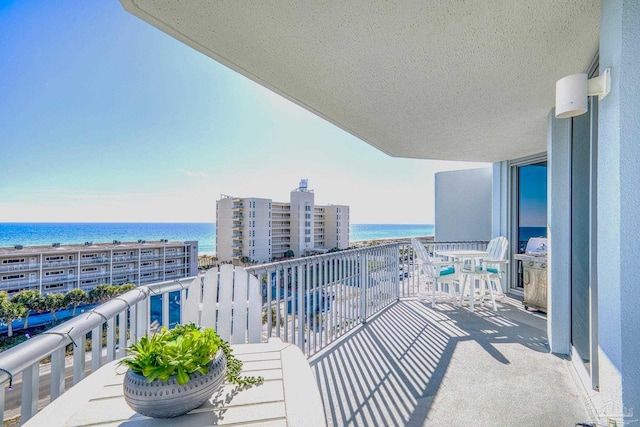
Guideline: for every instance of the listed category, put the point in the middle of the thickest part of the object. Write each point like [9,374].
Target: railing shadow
[389,371]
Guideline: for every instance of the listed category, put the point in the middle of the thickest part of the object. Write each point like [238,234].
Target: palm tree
[53,303]
[30,300]
[75,297]
[10,311]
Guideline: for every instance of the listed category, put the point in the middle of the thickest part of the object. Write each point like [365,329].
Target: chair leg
[433,293]
[498,283]
[489,285]
[463,288]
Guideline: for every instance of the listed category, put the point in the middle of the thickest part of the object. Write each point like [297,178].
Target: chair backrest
[497,248]
[227,299]
[423,259]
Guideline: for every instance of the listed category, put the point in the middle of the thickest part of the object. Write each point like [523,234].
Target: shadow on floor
[413,364]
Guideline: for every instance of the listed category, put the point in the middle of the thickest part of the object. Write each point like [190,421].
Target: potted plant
[174,371]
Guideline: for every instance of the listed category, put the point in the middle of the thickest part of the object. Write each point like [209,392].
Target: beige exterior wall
[336,226]
[61,268]
[224,227]
[302,209]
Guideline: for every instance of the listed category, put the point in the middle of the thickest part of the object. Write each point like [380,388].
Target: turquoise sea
[32,233]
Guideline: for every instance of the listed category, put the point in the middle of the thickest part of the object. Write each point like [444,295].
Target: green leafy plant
[182,351]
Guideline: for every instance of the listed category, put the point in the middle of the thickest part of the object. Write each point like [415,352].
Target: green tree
[126,288]
[53,303]
[101,293]
[289,254]
[10,311]
[75,298]
[30,300]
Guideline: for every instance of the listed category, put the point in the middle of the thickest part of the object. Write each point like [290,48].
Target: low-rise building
[61,268]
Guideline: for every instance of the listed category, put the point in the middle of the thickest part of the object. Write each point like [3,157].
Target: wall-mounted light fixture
[572,92]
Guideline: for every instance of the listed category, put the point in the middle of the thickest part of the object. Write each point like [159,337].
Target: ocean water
[388,231]
[30,234]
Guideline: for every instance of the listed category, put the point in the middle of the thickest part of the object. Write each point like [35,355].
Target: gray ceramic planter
[167,399]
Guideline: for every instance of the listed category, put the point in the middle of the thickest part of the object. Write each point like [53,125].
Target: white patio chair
[443,276]
[229,300]
[489,273]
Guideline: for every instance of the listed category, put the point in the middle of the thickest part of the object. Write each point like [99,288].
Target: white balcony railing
[313,301]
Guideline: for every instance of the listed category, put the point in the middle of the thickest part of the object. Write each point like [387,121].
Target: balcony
[88,261]
[54,264]
[19,267]
[380,354]
[174,254]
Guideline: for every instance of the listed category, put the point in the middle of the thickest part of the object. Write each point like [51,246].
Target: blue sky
[105,118]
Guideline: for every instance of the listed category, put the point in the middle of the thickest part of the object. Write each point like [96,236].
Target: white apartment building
[61,268]
[262,230]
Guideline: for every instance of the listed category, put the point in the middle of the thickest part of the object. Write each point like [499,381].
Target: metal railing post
[30,382]
[363,286]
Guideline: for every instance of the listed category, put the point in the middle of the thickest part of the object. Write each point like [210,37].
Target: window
[54,273]
[90,269]
[54,258]
[307,224]
[13,261]
[307,216]
[307,208]
[307,239]
[13,276]
[307,231]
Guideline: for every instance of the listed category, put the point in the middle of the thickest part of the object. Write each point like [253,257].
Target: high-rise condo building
[61,268]
[261,230]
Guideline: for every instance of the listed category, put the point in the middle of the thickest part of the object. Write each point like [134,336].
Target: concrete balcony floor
[413,365]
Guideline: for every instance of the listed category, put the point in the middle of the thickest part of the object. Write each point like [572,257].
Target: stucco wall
[619,207]
[463,205]
[559,233]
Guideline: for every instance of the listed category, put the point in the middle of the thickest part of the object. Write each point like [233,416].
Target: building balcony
[174,255]
[125,258]
[88,261]
[47,264]
[238,206]
[380,353]
[237,225]
[19,267]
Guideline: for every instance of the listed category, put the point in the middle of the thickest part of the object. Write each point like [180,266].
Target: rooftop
[57,247]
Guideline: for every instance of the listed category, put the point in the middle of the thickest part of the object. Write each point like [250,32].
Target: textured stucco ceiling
[449,80]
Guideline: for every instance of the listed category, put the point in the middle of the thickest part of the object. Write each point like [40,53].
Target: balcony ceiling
[454,80]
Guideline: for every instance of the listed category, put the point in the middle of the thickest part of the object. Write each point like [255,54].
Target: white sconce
[572,92]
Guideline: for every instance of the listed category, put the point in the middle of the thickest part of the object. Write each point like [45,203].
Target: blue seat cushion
[489,269]
[447,270]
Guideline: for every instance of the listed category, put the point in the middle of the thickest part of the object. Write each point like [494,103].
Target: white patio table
[289,396]
[466,255]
